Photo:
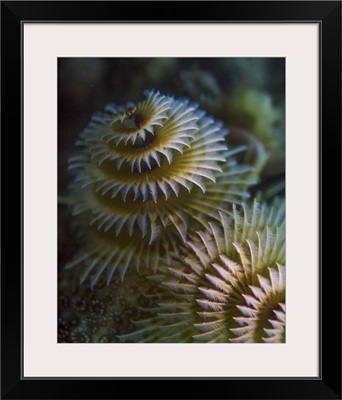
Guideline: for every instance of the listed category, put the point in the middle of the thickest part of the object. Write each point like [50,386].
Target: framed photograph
[171,199]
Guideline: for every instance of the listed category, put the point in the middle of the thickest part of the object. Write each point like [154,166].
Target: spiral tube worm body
[145,172]
[229,286]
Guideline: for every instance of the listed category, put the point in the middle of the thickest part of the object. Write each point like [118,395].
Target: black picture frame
[328,384]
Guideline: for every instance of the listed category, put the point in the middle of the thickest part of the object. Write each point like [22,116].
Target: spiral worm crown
[144,171]
[229,286]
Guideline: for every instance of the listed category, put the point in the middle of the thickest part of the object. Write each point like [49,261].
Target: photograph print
[171,200]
